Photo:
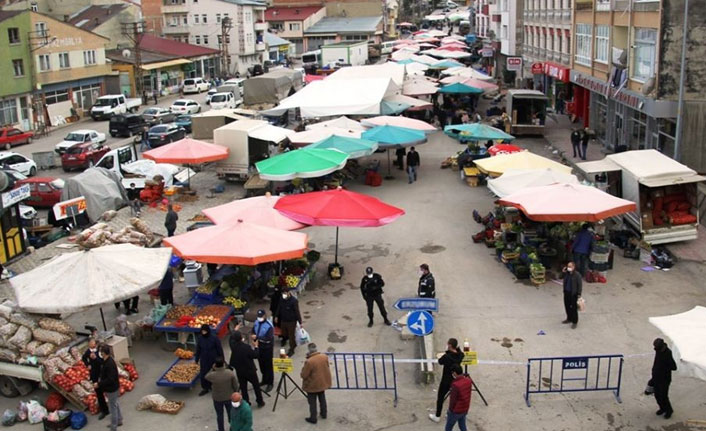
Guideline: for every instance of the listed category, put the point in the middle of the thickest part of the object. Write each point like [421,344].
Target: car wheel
[8,146]
[32,171]
[112,135]
[29,140]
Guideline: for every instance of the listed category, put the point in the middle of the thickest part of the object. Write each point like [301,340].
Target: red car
[83,156]
[10,136]
[44,191]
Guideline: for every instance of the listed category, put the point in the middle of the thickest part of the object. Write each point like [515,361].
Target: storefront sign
[486,52]
[556,71]
[282,365]
[470,358]
[69,208]
[514,63]
[537,68]
[283,48]
[13,196]
[603,88]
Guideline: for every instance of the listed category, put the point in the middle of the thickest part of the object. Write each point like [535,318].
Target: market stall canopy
[354,147]
[459,88]
[498,149]
[477,132]
[445,64]
[238,243]
[445,53]
[342,122]
[271,87]
[187,150]
[270,133]
[473,82]
[419,88]
[314,135]
[394,137]
[688,334]
[301,163]
[258,210]
[424,59]
[80,280]
[415,68]
[414,103]
[515,180]
[407,123]
[468,72]
[389,70]
[496,166]
[567,203]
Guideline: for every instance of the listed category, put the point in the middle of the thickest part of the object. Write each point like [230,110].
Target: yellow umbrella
[496,166]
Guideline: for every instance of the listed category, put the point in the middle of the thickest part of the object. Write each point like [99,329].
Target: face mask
[370,275]
[260,319]
[421,272]
[235,405]
[284,296]
[570,269]
[205,334]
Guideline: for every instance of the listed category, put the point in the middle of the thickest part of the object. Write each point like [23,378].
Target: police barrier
[364,371]
[574,374]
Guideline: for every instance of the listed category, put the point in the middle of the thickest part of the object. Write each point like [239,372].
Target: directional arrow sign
[420,323]
[428,304]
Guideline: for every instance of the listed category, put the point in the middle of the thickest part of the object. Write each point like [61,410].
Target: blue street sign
[429,304]
[420,323]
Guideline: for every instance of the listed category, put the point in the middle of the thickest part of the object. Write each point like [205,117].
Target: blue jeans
[220,406]
[412,173]
[453,418]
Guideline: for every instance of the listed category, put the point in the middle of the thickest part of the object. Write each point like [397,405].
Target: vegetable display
[182,372]
[183,354]
[178,311]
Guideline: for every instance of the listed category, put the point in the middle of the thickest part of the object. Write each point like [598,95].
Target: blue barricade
[364,371]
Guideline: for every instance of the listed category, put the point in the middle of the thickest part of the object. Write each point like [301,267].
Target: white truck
[133,173]
[113,104]
[352,53]
[528,111]
[664,190]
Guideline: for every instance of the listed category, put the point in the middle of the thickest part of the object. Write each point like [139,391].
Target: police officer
[427,287]
[371,287]
[264,333]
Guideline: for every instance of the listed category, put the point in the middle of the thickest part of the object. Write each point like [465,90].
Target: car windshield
[218,98]
[150,111]
[159,129]
[75,137]
[76,149]
[58,183]
[179,103]
[104,102]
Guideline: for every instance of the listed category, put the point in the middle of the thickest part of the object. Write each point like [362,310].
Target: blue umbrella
[354,147]
[405,61]
[476,132]
[393,137]
[459,88]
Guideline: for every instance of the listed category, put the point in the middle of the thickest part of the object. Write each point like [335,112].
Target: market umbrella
[313,135]
[476,132]
[354,147]
[444,64]
[238,243]
[301,163]
[187,151]
[459,88]
[504,149]
[518,179]
[340,208]
[413,103]
[258,210]
[405,61]
[407,123]
[393,137]
[688,334]
[341,122]
[418,88]
[567,203]
[496,166]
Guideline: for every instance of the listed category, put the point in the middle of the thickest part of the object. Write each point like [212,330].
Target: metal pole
[105,327]
[336,257]
[682,80]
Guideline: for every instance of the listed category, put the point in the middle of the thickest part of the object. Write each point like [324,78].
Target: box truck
[352,53]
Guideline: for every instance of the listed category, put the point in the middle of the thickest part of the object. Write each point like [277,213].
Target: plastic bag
[22,411]
[9,417]
[149,401]
[35,412]
[8,330]
[21,338]
[79,391]
[53,337]
[78,420]
[45,349]
[75,353]
[301,336]
[581,304]
[32,346]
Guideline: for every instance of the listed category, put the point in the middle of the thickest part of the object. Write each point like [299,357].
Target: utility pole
[37,40]
[678,136]
[134,31]
[226,26]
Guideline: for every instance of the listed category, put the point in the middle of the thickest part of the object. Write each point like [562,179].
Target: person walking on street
[662,368]
[240,413]
[576,142]
[288,316]
[170,221]
[92,360]
[145,140]
[400,153]
[572,293]
[427,286]
[109,384]
[459,399]
[452,356]
[264,333]
[242,360]
[208,348]
[166,288]
[585,136]
[224,383]
[316,379]
[581,248]
[154,96]
[371,288]
[413,163]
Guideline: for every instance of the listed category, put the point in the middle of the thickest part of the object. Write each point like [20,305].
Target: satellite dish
[126,53]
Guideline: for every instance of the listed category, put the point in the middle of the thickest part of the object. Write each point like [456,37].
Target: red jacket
[460,399]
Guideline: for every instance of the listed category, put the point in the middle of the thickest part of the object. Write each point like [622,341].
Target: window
[89,57]
[18,67]
[52,97]
[204,19]
[644,55]
[40,28]
[34,7]
[198,40]
[503,34]
[583,44]
[196,19]
[44,63]
[220,39]
[185,19]
[294,26]
[205,39]
[64,60]
[13,35]
[218,18]
[602,43]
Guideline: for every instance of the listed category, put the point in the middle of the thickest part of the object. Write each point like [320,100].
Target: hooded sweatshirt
[447,360]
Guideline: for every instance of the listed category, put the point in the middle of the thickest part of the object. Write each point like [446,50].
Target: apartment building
[200,22]
[290,22]
[506,27]
[15,97]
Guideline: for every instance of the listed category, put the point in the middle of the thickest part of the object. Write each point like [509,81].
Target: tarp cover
[101,188]
[688,334]
[515,180]
[271,87]
[150,169]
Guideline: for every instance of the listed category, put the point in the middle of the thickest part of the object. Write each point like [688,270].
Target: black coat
[371,287]
[427,286]
[288,310]
[662,367]
[448,359]
[413,158]
[242,357]
[170,221]
[573,283]
[575,137]
[207,350]
[108,380]
[96,363]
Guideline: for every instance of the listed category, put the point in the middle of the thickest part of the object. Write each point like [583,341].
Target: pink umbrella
[407,123]
[187,150]
[258,210]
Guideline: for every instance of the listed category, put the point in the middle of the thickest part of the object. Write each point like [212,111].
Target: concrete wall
[152,14]
[11,84]
[692,150]
[112,28]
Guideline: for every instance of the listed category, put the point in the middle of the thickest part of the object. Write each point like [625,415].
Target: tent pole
[105,327]
[389,168]
[336,256]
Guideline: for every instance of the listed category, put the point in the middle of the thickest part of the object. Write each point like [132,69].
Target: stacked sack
[100,234]
[673,208]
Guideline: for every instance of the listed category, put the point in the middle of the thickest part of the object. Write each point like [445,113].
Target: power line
[134,32]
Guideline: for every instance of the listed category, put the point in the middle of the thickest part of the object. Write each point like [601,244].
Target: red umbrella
[187,151]
[338,208]
[503,149]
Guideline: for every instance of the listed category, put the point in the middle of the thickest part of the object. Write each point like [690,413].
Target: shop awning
[169,63]
[650,167]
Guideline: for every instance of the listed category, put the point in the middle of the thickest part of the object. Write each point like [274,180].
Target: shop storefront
[557,85]
[62,98]
[624,120]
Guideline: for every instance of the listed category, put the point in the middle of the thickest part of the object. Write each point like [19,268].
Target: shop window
[602,43]
[638,131]
[667,132]
[644,53]
[583,44]
[52,97]
[8,111]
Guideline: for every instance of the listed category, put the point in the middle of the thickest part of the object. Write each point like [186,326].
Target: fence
[364,371]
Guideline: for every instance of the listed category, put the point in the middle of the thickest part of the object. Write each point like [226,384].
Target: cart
[44,159]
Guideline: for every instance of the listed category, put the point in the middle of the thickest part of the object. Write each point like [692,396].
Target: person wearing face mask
[572,293]
[224,383]
[371,288]
[288,316]
[91,358]
[240,413]
[453,356]
[427,286]
[109,384]
[208,348]
[264,333]
[662,368]
[242,360]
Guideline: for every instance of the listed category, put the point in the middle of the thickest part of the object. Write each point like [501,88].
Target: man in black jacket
[413,163]
[572,293]
[170,220]
[109,384]
[452,356]
[371,288]
[242,360]
[662,368]
[91,358]
[208,348]
[287,317]
[427,285]
[576,142]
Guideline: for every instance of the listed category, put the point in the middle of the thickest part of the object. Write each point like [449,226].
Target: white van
[224,101]
[195,85]
[236,81]
[386,47]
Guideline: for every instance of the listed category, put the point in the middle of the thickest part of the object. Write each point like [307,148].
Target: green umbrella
[389,107]
[301,163]
[459,88]
[476,132]
[354,147]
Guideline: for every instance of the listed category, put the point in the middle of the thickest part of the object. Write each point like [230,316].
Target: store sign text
[603,88]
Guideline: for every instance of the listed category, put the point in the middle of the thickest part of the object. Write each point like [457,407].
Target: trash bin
[193,274]
[44,159]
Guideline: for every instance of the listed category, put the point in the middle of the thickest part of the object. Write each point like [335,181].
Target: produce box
[169,407]
[163,381]
[164,326]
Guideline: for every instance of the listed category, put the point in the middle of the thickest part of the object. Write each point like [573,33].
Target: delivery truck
[113,104]
[527,110]
[665,191]
[349,53]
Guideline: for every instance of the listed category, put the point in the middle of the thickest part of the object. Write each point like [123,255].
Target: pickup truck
[133,173]
[113,104]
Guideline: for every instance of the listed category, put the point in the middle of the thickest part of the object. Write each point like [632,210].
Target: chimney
[296,11]
[66,18]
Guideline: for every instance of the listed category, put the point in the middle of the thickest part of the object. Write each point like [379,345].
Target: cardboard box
[647,221]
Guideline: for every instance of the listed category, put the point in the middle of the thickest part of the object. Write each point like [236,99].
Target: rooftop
[7,14]
[274,40]
[169,47]
[147,57]
[290,13]
[91,17]
[343,25]
[247,2]
[344,44]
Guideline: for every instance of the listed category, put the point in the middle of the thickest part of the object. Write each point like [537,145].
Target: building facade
[333,30]
[290,22]
[506,25]
[106,20]
[15,65]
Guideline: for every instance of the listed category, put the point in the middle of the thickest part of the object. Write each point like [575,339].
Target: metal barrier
[364,371]
[574,374]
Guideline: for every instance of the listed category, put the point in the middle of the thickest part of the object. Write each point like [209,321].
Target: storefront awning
[162,64]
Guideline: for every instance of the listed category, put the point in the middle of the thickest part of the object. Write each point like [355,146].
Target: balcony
[603,5]
[543,15]
[550,15]
[168,8]
[175,29]
[260,26]
[566,16]
[542,53]
[565,58]
[260,46]
[584,5]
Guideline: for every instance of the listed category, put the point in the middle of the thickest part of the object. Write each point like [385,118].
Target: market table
[186,334]
[162,381]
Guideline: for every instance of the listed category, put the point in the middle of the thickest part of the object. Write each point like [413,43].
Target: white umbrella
[81,280]
[688,334]
[517,179]
[317,134]
[341,122]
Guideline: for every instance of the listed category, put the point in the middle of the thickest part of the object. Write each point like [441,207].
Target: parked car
[158,115]
[210,94]
[238,82]
[163,134]
[18,162]
[44,191]
[195,85]
[10,136]
[126,125]
[82,156]
[184,121]
[112,104]
[185,106]
[223,101]
[79,137]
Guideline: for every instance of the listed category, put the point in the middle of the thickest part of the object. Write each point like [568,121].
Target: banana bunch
[291,281]
[234,302]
